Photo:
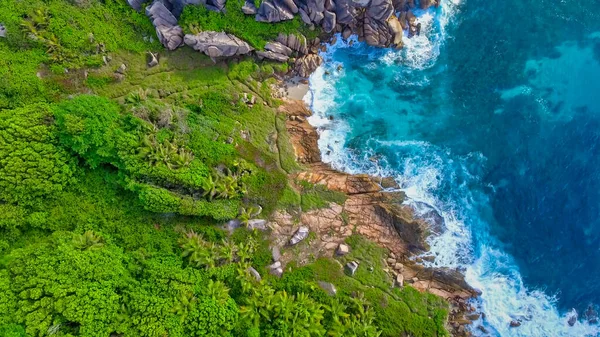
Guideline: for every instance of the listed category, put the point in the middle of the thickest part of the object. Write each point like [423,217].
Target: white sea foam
[466,242]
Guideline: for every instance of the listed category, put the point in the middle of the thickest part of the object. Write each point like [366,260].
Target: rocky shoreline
[374,208]
[380,23]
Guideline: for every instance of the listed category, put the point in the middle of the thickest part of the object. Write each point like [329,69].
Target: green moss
[318,196]
[399,312]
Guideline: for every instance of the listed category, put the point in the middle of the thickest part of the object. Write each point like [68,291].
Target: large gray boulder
[279,48]
[294,42]
[328,21]
[345,14]
[167,30]
[217,44]
[136,4]
[306,65]
[272,56]
[380,10]
[300,235]
[276,10]
[249,8]
[217,5]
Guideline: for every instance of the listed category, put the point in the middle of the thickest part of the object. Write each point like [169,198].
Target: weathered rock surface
[152,60]
[351,267]
[342,249]
[294,42]
[216,44]
[167,30]
[254,273]
[2,30]
[300,235]
[272,56]
[307,64]
[258,224]
[328,21]
[136,4]
[249,8]
[276,10]
[275,253]
[278,47]
[303,136]
[328,287]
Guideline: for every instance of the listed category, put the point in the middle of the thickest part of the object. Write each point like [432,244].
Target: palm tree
[184,305]
[88,241]
[228,250]
[217,291]
[209,186]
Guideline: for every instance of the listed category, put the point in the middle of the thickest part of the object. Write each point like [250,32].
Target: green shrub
[88,125]
[32,166]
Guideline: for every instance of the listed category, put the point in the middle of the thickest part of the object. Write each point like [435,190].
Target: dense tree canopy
[32,165]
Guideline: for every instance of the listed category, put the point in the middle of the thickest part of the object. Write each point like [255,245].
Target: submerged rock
[572,320]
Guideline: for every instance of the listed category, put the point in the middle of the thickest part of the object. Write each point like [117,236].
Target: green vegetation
[234,21]
[113,188]
[401,312]
[318,196]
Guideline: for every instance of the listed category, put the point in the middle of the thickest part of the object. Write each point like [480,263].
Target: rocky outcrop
[412,229]
[217,44]
[303,137]
[294,42]
[424,4]
[276,10]
[249,8]
[135,4]
[307,64]
[278,48]
[272,56]
[167,30]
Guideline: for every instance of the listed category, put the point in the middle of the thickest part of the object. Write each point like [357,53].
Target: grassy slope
[95,199]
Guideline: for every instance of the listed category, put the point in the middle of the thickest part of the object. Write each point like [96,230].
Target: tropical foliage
[113,190]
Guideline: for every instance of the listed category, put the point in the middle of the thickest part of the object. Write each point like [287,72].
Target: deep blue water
[493,117]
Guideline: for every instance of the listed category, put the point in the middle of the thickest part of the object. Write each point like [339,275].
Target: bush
[89,126]
[32,166]
[61,284]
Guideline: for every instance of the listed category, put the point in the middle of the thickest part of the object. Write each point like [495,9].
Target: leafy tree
[89,125]
[32,166]
[60,287]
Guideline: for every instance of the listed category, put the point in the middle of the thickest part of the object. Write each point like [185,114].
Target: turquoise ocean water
[492,116]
